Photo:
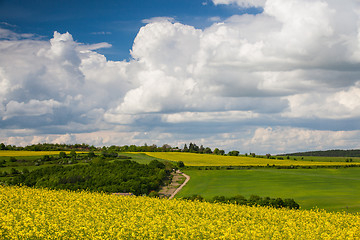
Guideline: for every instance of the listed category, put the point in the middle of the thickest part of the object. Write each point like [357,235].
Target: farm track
[187,178]
[174,187]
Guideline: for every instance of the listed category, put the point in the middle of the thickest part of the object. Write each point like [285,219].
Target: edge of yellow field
[11,153]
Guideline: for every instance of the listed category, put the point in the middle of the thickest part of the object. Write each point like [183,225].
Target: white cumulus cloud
[294,67]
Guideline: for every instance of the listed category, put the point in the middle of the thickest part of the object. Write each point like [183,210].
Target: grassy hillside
[27,213]
[193,159]
[30,159]
[331,189]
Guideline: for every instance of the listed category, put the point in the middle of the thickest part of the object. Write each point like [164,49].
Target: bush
[2,162]
[195,197]
[153,194]
[156,164]
[234,153]
[73,154]
[14,171]
[254,200]
[62,155]
[290,203]
[46,158]
[91,154]
[221,199]
[180,164]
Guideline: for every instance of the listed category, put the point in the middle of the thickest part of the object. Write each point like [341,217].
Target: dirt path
[179,180]
[187,178]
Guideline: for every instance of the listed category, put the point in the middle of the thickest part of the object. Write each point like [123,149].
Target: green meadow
[326,188]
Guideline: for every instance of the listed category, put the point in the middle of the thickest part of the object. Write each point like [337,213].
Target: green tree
[254,199]
[13,171]
[191,148]
[290,203]
[166,148]
[180,164]
[91,154]
[156,164]
[195,198]
[2,162]
[153,194]
[234,153]
[201,149]
[219,199]
[73,154]
[62,155]
[238,199]
[207,150]
[25,171]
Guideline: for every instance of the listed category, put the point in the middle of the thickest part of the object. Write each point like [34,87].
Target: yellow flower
[28,213]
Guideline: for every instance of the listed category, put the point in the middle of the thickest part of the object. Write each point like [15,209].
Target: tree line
[49,147]
[254,200]
[118,176]
[192,148]
[329,153]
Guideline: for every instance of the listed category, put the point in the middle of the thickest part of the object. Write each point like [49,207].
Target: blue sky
[114,21]
[267,76]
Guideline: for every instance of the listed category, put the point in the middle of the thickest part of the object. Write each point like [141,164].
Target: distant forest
[192,147]
[328,153]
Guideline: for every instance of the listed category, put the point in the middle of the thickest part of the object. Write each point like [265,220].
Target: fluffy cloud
[242,3]
[292,67]
[32,108]
[158,19]
[287,139]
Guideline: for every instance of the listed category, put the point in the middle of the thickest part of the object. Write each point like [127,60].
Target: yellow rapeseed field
[27,213]
[193,159]
[9,153]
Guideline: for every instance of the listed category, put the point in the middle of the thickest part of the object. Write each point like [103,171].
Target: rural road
[182,185]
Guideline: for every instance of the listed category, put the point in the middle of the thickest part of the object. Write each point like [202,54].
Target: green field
[139,157]
[330,189]
[194,159]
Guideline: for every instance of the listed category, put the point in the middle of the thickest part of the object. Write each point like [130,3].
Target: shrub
[180,164]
